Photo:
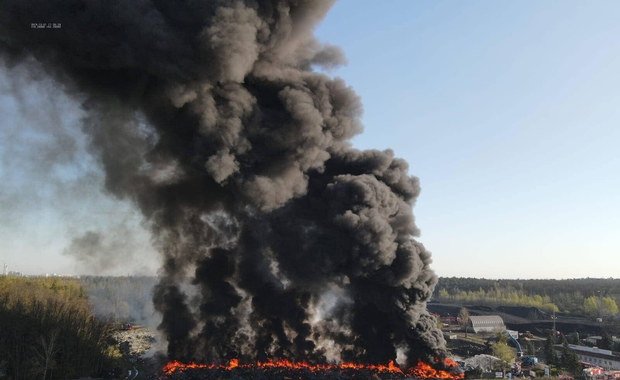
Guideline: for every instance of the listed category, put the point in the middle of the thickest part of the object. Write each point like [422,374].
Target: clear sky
[507,111]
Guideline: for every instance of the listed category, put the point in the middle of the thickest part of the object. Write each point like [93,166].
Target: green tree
[529,348]
[549,295]
[549,350]
[51,328]
[606,341]
[501,350]
[591,306]
[609,307]
[570,360]
[438,322]
[463,317]
[600,307]
[550,308]
[575,338]
[444,295]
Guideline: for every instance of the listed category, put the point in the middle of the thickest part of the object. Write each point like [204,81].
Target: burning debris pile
[210,116]
[284,369]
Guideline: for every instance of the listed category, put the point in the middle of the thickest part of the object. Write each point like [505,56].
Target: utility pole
[553,318]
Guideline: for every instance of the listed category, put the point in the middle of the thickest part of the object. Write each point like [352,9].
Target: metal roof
[594,352]
[486,320]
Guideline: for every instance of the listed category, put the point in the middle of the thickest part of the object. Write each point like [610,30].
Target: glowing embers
[421,370]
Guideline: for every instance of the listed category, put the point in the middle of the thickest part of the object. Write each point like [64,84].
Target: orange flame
[425,371]
[421,370]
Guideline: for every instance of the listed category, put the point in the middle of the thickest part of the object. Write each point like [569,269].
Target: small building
[487,323]
[593,339]
[597,357]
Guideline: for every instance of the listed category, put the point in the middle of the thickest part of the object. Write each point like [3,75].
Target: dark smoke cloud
[209,117]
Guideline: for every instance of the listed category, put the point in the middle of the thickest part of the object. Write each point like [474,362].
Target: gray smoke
[108,250]
[209,116]
[51,186]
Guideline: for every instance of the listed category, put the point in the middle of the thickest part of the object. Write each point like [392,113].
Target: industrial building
[487,323]
[597,357]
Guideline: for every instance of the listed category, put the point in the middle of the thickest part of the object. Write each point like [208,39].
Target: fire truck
[597,373]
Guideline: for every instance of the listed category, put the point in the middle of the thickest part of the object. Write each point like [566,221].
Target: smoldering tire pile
[282,374]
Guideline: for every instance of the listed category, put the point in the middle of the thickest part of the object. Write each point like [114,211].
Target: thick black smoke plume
[209,116]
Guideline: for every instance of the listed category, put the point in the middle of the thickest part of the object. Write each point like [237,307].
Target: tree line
[50,332]
[122,298]
[588,297]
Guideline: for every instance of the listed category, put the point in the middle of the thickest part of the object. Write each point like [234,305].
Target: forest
[49,331]
[590,297]
[124,298]
[56,328]
[129,298]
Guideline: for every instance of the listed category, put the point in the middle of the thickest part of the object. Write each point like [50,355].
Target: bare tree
[47,350]
[464,318]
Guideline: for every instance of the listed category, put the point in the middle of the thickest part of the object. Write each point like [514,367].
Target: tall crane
[515,342]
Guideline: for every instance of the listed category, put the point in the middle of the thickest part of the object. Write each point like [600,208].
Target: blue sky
[506,111]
